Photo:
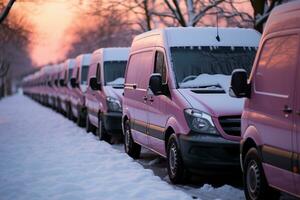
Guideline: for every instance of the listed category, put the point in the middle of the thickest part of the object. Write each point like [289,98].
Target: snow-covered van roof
[113,54]
[70,63]
[84,59]
[197,36]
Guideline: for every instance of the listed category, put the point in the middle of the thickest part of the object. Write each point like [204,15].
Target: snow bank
[45,156]
[209,80]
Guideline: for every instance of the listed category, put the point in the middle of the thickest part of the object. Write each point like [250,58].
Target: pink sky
[50,20]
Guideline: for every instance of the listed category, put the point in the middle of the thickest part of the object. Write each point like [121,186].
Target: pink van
[176,100]
[270,146]
[104,94]
[66,89]
[79,87]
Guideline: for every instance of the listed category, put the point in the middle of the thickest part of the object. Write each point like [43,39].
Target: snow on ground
[45,156]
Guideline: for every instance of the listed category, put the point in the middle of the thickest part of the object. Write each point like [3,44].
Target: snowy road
[45,156]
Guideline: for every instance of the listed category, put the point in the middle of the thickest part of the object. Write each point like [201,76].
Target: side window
[98,73]
[276,65]
[160,65]
[139,69]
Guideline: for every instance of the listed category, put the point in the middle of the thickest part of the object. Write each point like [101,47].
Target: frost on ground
[45,156]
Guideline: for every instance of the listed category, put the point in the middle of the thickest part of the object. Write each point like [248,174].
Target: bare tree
[109,28]
[14,56]
[6,10]
[262,9]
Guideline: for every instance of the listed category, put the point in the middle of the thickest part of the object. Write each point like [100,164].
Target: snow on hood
[215,104]
[208,80]
[114,92]
[118,81]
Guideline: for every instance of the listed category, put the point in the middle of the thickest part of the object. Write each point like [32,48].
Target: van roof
[283,17]
[113,54]
[197,36]
[84,59]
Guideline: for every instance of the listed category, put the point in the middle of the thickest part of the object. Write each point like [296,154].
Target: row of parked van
[188,94]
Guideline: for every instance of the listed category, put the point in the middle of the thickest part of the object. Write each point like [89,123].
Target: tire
[174,161]
[255,183]
[69,112]
[81,118]
[101,132]
[88,125]
[131,148]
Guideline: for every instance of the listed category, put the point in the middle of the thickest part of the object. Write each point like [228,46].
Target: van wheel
[256,186]
[175,163]
[131,148]
[101,132]
[88,125]
[80,118]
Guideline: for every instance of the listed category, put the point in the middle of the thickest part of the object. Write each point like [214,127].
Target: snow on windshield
[118,81]
[208,81]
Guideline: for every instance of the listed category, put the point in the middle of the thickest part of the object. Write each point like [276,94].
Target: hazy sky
[50,20]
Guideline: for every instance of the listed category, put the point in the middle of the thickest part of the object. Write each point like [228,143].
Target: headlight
[113,104]
[199,121]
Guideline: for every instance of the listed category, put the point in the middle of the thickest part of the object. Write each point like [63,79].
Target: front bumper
[209,153]
[113,123]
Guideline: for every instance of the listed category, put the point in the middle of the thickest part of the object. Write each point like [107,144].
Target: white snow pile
[212,80]
[118,81]
[45,156]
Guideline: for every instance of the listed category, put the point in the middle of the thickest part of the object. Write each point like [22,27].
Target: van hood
[219,104]
[115,92]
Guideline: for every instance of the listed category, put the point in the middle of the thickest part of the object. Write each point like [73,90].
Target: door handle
[287,109]
[298,112]
[151,99]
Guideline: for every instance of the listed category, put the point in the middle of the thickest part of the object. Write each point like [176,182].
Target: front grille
[231,125]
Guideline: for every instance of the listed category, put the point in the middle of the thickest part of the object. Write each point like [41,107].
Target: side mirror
[74,83]
[49,84]
[56,82]
[155,84]
[94,84]
[62,83]
[239,86]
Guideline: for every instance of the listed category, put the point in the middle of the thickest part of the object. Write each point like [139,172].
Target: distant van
[66,89]
[176,100]
[79,85]
[270,146]
[104,94]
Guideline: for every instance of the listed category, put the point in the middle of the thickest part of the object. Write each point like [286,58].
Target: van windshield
[209,67]
[70,74]
[84,74]
[114,73]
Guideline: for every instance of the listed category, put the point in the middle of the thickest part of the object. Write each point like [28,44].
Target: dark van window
[84,74]
[160,66]
[70,74]
[190,63]
[277,65]
[139,69]
[114,72]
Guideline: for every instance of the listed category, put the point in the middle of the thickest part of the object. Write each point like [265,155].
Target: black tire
[174,160]
[69,112]
[81,118]
[255,183]
[101,132]
[88,125]
[131,148]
